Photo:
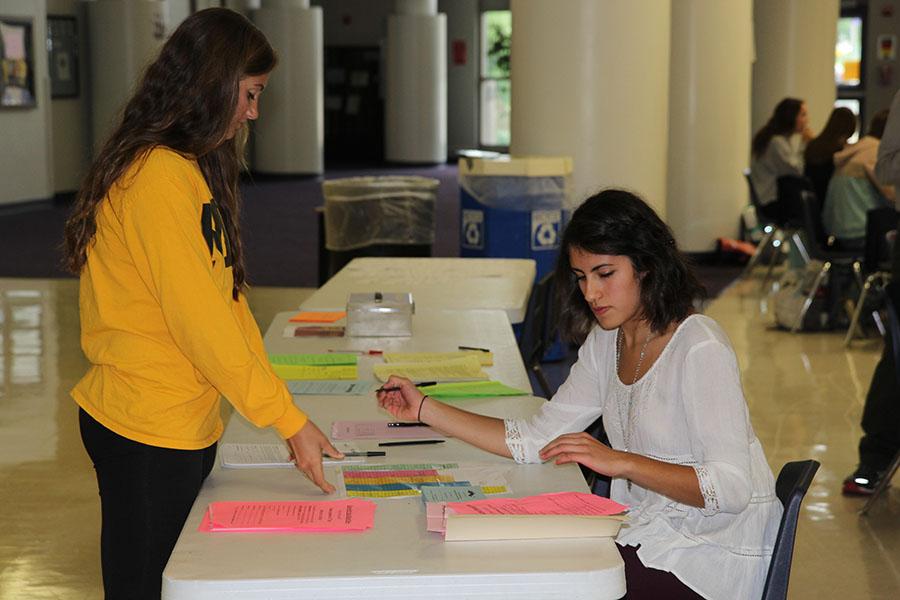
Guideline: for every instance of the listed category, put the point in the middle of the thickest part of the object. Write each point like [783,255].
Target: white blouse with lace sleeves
[718,426]
[574,406]
[688,409]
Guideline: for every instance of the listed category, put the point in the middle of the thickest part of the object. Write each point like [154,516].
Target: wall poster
[16,63]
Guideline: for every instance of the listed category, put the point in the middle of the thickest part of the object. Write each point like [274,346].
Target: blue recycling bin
[515,207]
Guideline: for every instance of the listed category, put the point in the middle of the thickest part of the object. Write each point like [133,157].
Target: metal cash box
[380,314]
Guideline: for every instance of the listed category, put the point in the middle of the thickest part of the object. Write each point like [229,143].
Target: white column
[415,111]
[125,37]
[794,56]
[590,80]
[709,119]
[289,135]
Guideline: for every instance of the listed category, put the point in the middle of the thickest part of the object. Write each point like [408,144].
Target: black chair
[816,245]
[772,233]
[539,330]
[876,268]
[894,328]
[792,484]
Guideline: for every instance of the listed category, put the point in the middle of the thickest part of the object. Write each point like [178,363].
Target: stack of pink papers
[564,514]
[328,515]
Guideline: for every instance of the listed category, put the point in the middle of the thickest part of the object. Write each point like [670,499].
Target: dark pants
[881,413]
[146,493]
[644,583]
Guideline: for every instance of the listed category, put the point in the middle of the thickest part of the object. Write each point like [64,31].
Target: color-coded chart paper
[330,515]
[390,481]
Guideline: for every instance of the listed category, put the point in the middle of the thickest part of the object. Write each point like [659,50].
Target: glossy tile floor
[805,394]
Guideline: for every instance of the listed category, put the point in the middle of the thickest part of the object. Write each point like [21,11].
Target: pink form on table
[353,514]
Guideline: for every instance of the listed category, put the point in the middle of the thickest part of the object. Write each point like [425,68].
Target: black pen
[407,424]
[473,348]
[418,385]
[411,443]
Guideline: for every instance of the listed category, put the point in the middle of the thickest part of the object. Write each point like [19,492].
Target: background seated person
[854,190]
[818,159]
[776,151]
[682,452]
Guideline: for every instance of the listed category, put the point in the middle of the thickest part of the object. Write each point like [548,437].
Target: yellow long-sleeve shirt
[158,321]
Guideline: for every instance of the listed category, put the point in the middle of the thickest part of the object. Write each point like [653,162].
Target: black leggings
[146,494]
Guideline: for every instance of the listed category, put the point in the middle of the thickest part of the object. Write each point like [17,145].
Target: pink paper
[434,517]
[379,430]
[354,474]
[562,503]
[329,515]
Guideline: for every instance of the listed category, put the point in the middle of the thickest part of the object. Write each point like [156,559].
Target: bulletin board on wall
[16,63]
[62,54]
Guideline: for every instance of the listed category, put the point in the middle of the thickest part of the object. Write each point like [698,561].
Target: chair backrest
[539,324]
[790,195]
[879,221]
[812,224]
[754,197]
[792,484]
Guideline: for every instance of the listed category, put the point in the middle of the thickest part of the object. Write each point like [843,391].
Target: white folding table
[454,283]
[397,558]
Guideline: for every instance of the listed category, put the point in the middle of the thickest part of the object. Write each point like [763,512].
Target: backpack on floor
[793,289]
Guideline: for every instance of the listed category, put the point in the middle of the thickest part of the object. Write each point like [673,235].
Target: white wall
[26,169]
[354,22]
[70,139]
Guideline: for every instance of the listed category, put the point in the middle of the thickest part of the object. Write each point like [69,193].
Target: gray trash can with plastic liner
[378,216]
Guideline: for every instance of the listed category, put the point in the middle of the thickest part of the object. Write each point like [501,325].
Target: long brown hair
[185,101]
[840,126]
[782,122]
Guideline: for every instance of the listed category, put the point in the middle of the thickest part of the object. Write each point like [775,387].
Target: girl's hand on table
[307,447]
[584,449]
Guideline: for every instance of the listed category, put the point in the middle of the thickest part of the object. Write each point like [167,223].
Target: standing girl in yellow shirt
[165,324]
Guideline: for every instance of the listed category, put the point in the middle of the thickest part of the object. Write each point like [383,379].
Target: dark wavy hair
[782,122]
[840,126]
[617,222]
[185,101]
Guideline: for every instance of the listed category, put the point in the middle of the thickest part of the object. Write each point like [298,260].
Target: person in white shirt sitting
[777,150]
[682,453]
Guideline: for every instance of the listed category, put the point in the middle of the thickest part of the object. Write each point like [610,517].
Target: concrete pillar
[590,80]
[124,38]
[709,119]
[289,137]
[794,56]
[415,108]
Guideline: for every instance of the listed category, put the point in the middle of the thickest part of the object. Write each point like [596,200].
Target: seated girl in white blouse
[682,454]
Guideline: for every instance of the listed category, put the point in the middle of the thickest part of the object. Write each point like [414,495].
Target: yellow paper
[465,368]
[315,372]
[486,359]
